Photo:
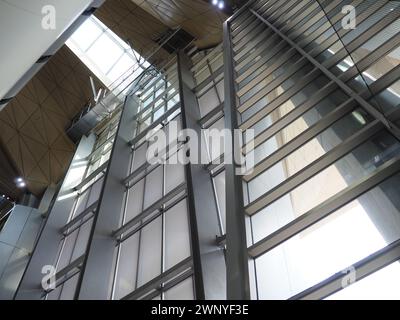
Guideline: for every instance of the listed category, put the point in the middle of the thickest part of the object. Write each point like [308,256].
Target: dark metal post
[99,264]
[238,287]
[209,261]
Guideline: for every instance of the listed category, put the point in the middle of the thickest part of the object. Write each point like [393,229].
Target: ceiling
[32,125]
[141,23]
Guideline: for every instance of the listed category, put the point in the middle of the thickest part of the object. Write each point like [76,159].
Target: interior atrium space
[200,150]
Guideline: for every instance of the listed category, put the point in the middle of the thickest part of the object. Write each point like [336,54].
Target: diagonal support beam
[363,103]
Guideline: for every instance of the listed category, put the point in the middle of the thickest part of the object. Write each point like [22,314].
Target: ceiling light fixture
[21,184]
[214,2]
[221,4]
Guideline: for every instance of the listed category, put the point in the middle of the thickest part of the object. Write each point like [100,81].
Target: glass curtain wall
[316,142]
[76,232]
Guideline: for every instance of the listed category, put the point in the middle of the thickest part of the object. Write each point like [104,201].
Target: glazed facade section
[322,99]
[320,203]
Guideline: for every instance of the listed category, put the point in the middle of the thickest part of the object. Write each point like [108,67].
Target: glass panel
[127,267]
[153,187]
[174,176]
[135,200]
[150,251]
[86,34]
[82,240]
[306,154]
[349,169]
[182,291]
[177,240]
[208,102]
[104,53]
[359,229]
[139,157]
[381,285]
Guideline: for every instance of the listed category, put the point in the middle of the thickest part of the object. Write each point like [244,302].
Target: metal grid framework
[75,233]
[322,101]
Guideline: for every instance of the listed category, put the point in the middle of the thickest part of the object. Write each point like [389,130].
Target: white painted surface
[22,38]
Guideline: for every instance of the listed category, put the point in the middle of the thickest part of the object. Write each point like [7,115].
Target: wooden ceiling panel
[33,124]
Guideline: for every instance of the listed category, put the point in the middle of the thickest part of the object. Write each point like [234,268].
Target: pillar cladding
[99,265]
[209,261]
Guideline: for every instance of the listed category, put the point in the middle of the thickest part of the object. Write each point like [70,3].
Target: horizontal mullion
[65,230]
[161,279]
[205,60]
[348,90]
[283,59]
[363,269]
[210,116]
[271,86]
[302,139]
[253,65]
[250,36]
[154,207]
[279,100]
[260,40]
[154,124]
[293,115]
[364,37]
[91,176]
[304,11]
[320,164]
[243,32]
[323,210]
[209,79]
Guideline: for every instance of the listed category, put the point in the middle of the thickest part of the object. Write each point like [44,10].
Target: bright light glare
[221,4]
[214,2]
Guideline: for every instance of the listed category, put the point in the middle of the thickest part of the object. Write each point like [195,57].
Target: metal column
[209,260]
[238,287]
[99,264]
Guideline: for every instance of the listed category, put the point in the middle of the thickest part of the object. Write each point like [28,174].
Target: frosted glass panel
[81,203]
[174,176]
[95,192]
[69,288]
[154,183]
[82,240]
[67,250]
[150,252]
[135,200]
[139,156]
[177,240]
[208,102]
[182,291]
[127,267]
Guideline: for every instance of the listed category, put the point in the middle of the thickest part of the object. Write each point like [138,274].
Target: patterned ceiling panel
[134,25]
[197,17]
[33,124]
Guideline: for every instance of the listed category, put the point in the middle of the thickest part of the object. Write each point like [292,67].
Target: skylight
[110,58]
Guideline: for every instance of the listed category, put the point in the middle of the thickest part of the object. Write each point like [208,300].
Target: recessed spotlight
[221,4]
[21,185]
[20,179]
[214,2]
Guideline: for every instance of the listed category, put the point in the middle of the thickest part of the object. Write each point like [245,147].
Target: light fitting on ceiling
[20,182]
[219,3]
